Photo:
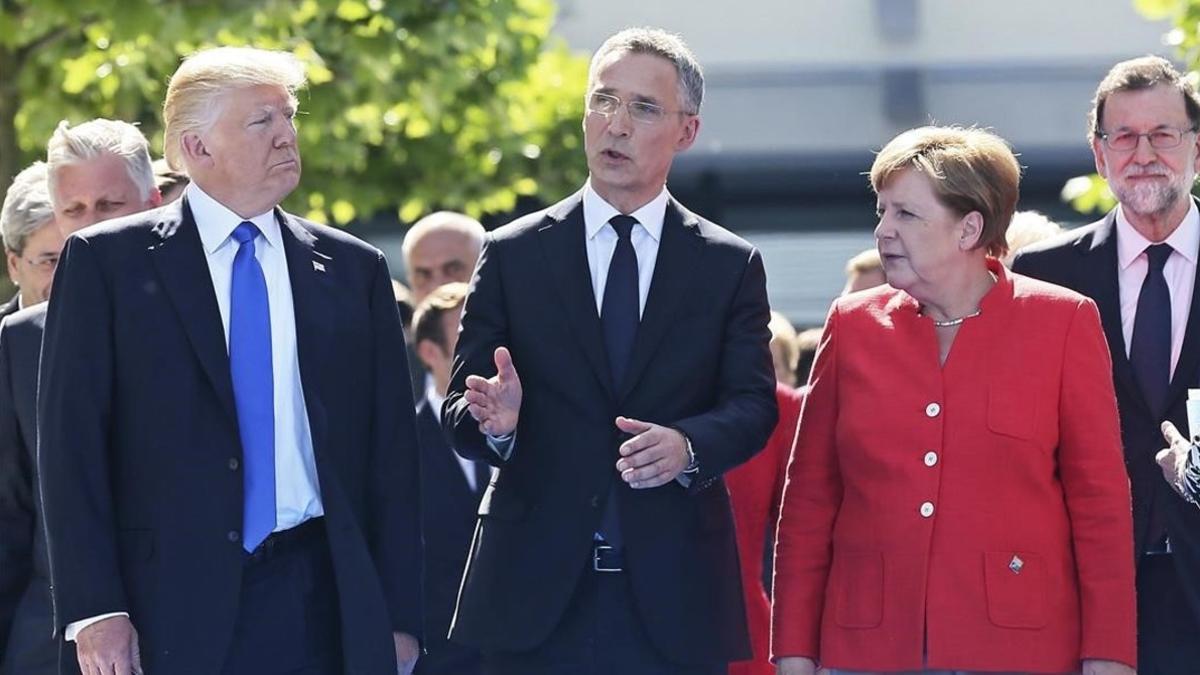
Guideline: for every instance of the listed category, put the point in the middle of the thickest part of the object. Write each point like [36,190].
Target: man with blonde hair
[226,454]
[863,271]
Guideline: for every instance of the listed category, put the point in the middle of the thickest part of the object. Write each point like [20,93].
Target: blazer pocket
[1016,588]
[136,545]
[1011,413]
[500,505]
[858,589]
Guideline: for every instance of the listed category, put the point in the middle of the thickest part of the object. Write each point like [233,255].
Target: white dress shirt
[435,404]
[297,492]
[1179,271]
[600,240]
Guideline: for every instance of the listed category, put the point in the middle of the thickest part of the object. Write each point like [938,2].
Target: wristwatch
[692,466]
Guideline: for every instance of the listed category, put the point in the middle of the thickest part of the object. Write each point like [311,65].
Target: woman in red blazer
[755,489]
[956,498]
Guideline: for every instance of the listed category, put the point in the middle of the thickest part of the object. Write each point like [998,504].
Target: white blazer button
[927,509]
[932,410]
[930,458]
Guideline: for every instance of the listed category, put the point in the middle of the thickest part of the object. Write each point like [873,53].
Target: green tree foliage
[411,104]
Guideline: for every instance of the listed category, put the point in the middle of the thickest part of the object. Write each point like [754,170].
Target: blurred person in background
[32,242]
[956,499]
[170,183]
[863,271]
[1028,228]
[807,341]
[783,349]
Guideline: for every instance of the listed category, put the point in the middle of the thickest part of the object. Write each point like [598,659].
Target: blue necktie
[1150,349]
[253,387]
[619,317]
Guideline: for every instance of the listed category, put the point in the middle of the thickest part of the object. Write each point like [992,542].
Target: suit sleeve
[484,328]
[394,481]
[746,412]
[74,409]
[1097,492]
[811,499]
[16,499]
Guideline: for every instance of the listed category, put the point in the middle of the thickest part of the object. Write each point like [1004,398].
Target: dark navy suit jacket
[139,439]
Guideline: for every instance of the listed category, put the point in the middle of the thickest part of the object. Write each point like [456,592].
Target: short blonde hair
[1028,227]
[865,262]
[783,335]
[193,96]
[95,138]
[969,169]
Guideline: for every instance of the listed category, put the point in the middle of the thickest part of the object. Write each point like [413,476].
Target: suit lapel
[677,262]
[179,259]
[565,255]
[1102,282]
[311,274]
[1189,358]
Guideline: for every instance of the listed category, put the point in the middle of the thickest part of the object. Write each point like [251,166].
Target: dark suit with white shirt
[699,363]
[450,490]
[1089,260]
[140,456]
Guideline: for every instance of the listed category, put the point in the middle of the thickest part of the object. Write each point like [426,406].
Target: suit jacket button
[234,464]
[595,502]
[234,536]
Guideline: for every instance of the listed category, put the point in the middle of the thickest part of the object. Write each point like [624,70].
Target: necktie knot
[1158,254]
[623,225]
[244,232]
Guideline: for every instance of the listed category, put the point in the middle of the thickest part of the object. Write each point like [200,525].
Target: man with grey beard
[1139,264]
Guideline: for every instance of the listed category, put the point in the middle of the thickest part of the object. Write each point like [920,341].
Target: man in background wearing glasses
[1139,265]
[613,363]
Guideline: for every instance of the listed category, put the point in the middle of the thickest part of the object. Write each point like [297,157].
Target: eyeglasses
[45,263]
[1162,138]
[643,112]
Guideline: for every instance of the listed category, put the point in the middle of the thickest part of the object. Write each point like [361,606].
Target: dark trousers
[600,634]
[288,620]
[32,648]
[1168,633]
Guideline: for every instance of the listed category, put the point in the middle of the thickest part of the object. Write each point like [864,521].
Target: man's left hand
[1101,667]
[407,651]
[655,455]
[1173,460]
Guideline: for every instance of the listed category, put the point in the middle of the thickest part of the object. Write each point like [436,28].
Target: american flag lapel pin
[318,266]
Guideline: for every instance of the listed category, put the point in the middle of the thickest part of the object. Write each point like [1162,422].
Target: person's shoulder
[530,223]
[869,301]
[133,227]
[715,236]
[1060,244]
[332,239]
[1029,291]
[25,319]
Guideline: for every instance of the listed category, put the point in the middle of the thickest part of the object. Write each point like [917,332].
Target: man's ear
[687,136]
[428,352]
[12,267]
[194,150]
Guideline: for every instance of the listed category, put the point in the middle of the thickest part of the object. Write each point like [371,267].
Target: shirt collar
[216,222]
[1185,240]
[433,397]
[597,212]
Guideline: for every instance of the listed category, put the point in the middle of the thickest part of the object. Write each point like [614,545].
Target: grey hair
[193,100]
[26,207]
[98,137]
[669,46]
[442,221]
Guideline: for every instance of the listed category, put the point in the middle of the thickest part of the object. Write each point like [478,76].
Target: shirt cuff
[502,445]
[74,628]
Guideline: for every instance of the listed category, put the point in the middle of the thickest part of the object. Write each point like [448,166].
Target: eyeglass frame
[619,103]
[1105,135]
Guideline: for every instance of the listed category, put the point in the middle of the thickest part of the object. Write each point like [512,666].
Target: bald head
[441,248]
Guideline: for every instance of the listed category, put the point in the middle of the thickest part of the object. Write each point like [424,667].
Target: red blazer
[973,516]
[755,489]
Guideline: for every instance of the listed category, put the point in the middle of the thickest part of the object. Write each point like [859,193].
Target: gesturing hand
[495,402]
[109,647]
[653,457]
[1173,459]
